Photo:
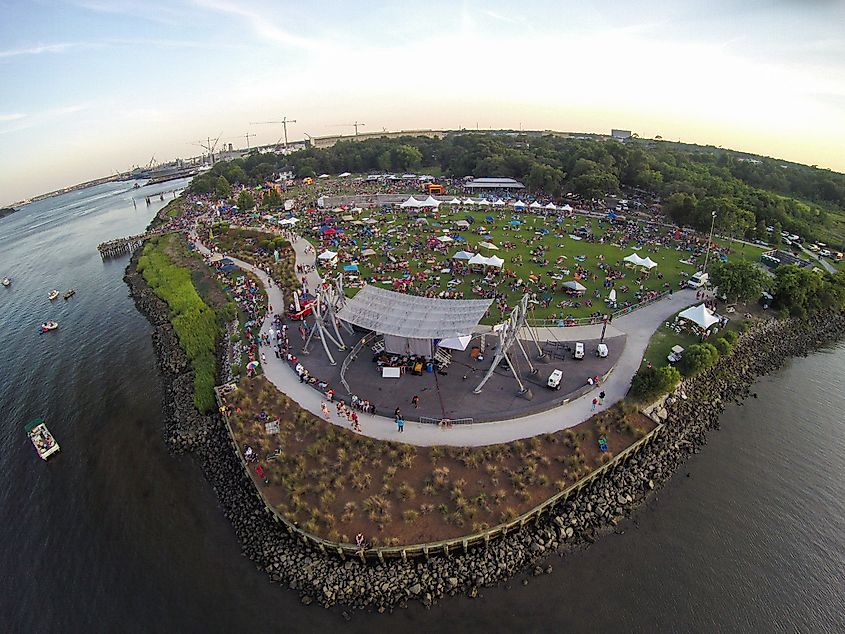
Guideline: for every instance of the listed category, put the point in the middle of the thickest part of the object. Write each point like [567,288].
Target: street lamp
[710,241]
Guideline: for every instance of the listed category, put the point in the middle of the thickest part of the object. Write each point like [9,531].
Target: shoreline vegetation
[331,483]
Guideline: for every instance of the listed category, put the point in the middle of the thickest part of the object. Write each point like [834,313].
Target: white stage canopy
[699,315]
[412,317]
[455,343]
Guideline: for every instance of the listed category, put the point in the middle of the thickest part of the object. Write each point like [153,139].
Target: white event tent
[411,202]
[699,315]
[535,205]
[485,261]
[636,260]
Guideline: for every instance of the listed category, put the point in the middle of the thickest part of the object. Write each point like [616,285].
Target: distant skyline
[90,87]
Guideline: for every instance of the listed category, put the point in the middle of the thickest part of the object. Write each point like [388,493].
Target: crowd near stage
[418,347]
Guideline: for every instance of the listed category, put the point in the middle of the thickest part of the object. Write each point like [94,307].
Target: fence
[591,321]
[448,422]
[446,546]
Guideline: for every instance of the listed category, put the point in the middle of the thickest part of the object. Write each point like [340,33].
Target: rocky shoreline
[599,507]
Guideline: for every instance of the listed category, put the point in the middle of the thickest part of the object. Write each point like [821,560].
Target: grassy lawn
[540,254]
[336,483]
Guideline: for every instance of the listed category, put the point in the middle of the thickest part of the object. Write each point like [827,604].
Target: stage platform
[450,395]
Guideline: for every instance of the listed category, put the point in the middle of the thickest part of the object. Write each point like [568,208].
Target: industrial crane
[284,123]
[243,136]
[350,125]
[209,146]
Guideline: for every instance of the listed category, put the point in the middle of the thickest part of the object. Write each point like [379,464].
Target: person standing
[415,401]
[325,410]
[601,397]
[400,424]
[595,402]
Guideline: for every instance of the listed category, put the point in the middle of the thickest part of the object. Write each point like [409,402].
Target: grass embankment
[195,322]
[336,483]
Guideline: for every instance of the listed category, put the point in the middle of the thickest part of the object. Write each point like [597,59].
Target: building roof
[494,183]
[390,313]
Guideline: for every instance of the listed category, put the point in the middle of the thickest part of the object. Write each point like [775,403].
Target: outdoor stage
[450,395]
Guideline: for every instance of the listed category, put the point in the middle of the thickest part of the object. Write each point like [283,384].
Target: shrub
[698,357]
[723,346]
[410,516]
[731,336]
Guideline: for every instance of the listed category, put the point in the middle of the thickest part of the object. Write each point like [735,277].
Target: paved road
[639,327]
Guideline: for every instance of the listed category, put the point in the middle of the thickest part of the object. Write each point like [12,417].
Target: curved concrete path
[638,326]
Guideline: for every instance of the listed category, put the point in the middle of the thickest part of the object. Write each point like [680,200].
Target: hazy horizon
[92,86]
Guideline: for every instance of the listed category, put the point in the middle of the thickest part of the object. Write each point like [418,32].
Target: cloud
[39,49]
[11,116]
[261,23]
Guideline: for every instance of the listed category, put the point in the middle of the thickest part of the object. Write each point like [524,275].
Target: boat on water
[47,326]
[41,438]
[7,281]
[70,293]
[53,294]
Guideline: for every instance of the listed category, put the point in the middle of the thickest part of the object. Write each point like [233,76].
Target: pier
[120,246]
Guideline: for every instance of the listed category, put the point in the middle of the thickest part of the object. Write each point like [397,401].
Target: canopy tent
[486,261]
[566,207]
[455,343]
[551,206]
[430,202]
[412,318]
[636,260]
[488,245]
[575,286]
[327,255]
[323,176]
[455,201]
[468,201]
[289,221]
[463,224]
[344,174]
[445,239]
[367,253]
[499,203]
[347,218]
[611,297]
[411,202]
[699,315]
[484,202]
[519,205]
[356,210]
[463,255]
[535,205]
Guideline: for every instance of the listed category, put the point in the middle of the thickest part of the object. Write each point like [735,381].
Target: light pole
[709,242]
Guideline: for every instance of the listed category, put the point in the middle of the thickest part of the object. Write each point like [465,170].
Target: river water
[114,534]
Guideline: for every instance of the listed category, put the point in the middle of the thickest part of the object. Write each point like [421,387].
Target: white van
[698,280]
[601,351]
[554,379]
[579,350]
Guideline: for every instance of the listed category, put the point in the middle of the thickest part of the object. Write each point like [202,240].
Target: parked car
[601,350]
[698,280]
[579,350]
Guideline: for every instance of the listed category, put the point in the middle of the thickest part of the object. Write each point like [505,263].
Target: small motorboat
[53,294]
[70,293]
[47,326]
[7,281]
[41,438]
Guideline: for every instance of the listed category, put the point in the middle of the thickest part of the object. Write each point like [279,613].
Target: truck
[554,379]
[698,280]
[579,350]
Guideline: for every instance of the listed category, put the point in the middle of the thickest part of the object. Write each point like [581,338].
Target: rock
[415,589]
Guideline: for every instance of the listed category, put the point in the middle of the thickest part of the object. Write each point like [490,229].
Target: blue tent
[489,218]
[611,215]
[515,223]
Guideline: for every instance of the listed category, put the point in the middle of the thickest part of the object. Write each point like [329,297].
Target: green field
[400,238]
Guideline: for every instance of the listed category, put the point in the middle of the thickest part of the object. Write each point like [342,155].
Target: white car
[579,351]
[601,350]
[825,253]
[555,379]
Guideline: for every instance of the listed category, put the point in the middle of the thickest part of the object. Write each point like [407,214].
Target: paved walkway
[638,325]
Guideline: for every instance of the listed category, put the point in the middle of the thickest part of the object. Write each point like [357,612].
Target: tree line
[691,182]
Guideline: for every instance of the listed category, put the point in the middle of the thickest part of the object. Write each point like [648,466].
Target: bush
[697,358]
[723,346]
[650,383]
[731,336]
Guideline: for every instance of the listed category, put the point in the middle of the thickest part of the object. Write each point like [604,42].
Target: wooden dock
[122,246]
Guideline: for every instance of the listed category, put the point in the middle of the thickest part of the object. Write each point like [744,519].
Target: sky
[90,87]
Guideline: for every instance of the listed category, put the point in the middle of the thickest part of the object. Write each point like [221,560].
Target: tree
[407,157]
[698,357]
[739,281]
[246,200]
[649,382]
[776,237]
[222,187]
[272,199]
